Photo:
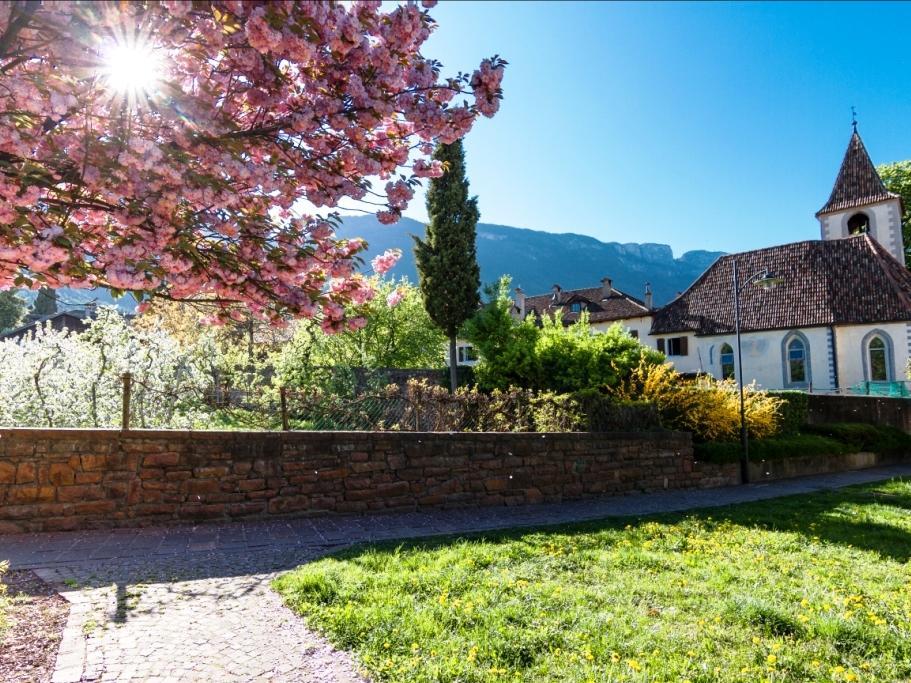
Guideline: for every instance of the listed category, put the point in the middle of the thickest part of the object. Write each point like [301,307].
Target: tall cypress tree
[12,310]
[446,258]
[45,303]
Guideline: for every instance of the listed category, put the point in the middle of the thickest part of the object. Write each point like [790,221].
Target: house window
[797,361]
[467,354]
[575,307]
[634,334]
[727,361]
[877,350]
[673,346]
[858,224]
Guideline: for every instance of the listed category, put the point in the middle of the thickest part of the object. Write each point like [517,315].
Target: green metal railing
[898,389]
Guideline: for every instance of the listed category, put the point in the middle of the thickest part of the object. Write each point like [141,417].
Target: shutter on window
[683,346]
[661,345]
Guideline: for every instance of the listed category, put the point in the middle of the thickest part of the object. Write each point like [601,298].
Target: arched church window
[858,224]
[727,361]
[797,361]
[879,364]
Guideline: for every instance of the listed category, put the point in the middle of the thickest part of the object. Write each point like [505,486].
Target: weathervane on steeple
[854,118]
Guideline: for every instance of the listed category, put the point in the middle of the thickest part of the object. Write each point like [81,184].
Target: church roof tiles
[846,281]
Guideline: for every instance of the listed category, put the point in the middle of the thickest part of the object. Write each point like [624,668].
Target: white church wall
[851,350]
[763,357]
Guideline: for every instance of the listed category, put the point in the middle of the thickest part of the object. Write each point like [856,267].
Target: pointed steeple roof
[858,183]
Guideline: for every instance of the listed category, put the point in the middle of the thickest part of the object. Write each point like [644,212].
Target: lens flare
[131,70]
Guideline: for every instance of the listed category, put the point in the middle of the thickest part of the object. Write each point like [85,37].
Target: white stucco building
[841,315]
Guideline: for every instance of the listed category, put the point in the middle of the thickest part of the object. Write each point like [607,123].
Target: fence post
[283,397]
[127,386]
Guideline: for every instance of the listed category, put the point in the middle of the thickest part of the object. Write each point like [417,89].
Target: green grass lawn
[807,588]
[4,601]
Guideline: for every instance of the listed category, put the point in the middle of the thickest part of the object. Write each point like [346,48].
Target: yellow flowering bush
[705,406]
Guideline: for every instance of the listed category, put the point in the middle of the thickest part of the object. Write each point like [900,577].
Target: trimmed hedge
[777,448]
[865,437]
[828,439]
[794,411]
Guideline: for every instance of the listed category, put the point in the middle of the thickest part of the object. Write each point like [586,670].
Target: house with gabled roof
[840,315]
[605,306]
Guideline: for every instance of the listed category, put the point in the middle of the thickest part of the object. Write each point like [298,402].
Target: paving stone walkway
[193,603]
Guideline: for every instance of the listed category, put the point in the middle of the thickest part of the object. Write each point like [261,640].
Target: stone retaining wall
[806,465]
[69,478]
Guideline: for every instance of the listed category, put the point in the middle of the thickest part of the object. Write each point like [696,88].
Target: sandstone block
[94,462]
[60,474]
[7,473]
[25,473]
[161,460]
[80,492]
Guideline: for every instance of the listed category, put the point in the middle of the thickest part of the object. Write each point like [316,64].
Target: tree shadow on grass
[839,517]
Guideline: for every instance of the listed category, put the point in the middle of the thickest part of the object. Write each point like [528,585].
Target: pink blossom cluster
[382,263]
[394,298]
[485,84]
[424,169]
[188,188]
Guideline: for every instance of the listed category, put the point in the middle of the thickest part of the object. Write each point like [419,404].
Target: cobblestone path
[193,603]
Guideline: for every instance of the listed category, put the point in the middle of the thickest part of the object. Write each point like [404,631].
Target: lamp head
[769,280]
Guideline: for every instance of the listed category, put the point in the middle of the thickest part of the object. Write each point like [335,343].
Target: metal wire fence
[417,406]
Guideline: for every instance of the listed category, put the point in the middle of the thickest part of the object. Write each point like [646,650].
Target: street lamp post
[766,280]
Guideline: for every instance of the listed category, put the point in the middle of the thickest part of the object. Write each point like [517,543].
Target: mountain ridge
[537,260]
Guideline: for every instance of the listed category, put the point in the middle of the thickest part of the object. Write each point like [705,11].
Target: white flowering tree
[61,379]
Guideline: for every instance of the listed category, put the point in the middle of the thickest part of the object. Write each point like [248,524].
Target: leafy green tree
[398,334]
[505,345]
[45,302]
[12,310]
[446,258]
[897,178]
[552,356]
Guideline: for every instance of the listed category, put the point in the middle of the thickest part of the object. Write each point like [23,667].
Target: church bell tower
[860,203]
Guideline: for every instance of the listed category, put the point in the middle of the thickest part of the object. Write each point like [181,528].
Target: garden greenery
[398,333]
[552,356]
[546,377]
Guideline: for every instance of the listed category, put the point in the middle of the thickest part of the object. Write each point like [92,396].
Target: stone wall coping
[213,434]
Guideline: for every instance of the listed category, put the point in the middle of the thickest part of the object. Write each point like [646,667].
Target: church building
[822,315]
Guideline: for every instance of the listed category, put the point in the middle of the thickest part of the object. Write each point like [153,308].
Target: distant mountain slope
[537,260]
[68,298]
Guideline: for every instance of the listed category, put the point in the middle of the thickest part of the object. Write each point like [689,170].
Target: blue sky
[703,126]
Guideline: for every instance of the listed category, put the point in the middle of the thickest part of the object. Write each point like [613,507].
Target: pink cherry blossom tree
[166,148]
